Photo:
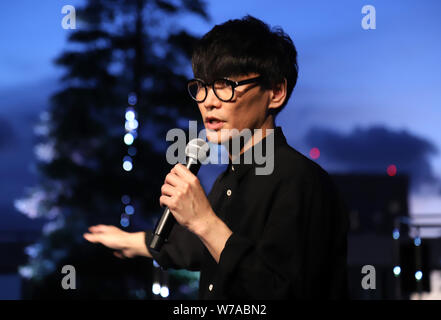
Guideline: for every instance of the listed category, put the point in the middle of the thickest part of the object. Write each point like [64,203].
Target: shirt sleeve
[183,250]
[302,251]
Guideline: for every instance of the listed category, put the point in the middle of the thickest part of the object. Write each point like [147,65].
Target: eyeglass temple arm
[239,83]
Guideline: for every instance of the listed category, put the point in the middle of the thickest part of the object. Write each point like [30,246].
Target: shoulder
[292,169]
[302,178]
[288,162]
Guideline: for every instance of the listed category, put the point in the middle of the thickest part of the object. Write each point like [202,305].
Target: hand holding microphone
[183,195]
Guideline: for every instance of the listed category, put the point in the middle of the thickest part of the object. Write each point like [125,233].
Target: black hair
[244,46]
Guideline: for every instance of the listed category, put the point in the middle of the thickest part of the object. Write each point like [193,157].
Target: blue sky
[349,78]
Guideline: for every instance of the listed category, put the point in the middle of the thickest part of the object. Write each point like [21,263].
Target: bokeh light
[391,170]
[127,165]
[128,139]
[130,115]
[164,292]
[132,151]
[129,209]
[418,275]
[125,222]
[314,153]
[156,288]
[132,99]
[125,199]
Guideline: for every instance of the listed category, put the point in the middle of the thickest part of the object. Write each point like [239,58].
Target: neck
[268,124]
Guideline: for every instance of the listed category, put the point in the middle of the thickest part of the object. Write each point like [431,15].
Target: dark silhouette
[120,48]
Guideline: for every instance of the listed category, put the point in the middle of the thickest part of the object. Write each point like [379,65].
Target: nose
[211,101]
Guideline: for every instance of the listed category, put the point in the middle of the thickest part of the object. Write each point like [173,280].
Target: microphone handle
[167,221]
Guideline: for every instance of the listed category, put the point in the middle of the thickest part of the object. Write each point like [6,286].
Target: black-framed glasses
[222,88]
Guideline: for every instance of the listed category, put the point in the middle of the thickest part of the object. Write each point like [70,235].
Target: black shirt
[289,233]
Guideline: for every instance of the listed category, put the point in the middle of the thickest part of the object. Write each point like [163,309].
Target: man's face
[247,110]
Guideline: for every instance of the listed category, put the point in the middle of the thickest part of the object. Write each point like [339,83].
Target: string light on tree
[129,210]
[418,275]
[164,292]
[132,151]
[128,139]
[127,163]
[130,126]
[417,241]
[396,234]
[156,288]
[125,199]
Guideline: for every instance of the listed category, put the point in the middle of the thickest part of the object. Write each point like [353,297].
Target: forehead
[233,77]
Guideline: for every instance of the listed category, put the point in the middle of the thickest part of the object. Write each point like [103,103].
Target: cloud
[372,150]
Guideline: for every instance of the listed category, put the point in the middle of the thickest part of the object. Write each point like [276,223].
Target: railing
[415,234]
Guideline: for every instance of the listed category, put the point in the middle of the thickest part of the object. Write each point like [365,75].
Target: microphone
[197,150]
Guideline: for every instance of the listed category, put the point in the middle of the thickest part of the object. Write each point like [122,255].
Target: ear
[277,95]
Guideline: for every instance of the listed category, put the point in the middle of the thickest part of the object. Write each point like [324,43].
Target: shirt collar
[240,169]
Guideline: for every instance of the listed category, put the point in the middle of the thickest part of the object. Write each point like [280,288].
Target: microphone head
[198,150]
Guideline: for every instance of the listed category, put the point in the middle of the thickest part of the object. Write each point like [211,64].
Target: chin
[218,137]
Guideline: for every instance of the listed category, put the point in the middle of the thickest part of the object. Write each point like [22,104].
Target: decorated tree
[101,151]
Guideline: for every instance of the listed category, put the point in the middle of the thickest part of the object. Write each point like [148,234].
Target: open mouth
[214,123]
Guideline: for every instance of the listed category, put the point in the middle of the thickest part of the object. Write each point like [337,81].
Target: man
[276,236]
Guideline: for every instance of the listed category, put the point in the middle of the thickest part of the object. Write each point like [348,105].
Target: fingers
[100,228]
[94,238]
[179,176]
[165,201]
[182,172]
[177,181]
[118,254]
[172,179]
[167,190]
